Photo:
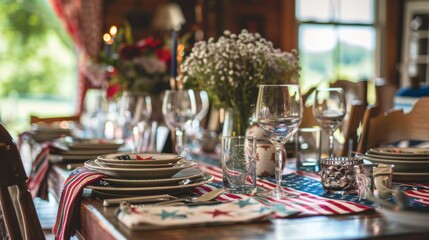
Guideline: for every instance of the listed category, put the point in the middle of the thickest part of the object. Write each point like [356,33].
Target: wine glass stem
[279,166]
[179,140]
[331,143]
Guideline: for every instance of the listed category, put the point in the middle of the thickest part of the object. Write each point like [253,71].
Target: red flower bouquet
[142,66]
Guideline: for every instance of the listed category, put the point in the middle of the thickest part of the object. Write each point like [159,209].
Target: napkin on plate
[155,217]
[68,209]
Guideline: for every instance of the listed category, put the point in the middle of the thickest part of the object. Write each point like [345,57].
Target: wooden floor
[47,211]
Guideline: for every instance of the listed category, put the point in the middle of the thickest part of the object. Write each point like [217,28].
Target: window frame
[376,24]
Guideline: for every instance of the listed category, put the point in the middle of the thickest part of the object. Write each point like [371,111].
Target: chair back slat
[383,128]
[356,100]
[19,217]
[9,218]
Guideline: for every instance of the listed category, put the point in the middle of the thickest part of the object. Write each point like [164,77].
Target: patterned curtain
[83,21]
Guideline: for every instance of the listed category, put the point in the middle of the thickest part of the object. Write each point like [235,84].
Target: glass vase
[236,122]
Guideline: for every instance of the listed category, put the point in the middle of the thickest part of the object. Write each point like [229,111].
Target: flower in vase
[231,68]
[141,66]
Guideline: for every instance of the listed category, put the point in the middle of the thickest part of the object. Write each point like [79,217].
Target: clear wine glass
[329,110]
[135,109]
[194,129]
[178,108]
[279,112]
[202,103]
[92,112]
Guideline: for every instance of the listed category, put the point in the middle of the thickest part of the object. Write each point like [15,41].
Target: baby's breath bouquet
[231,68]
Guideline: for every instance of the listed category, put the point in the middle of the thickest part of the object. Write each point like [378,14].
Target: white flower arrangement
[231,68]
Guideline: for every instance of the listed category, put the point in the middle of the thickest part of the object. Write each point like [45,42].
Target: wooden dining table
[99,222]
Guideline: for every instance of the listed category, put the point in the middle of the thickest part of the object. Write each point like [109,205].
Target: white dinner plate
[146,158]
[124,164]
[139,173]
[402,166]
[406,217]
[189,173]
[56,158]
[93,144]
[87,152]
[397,151]
[397,157]
[148,190]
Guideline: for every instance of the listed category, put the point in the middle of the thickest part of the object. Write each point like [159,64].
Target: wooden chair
[384,94]
[353,90]
[378,129]
[18,217]
[356,103]
[350,130]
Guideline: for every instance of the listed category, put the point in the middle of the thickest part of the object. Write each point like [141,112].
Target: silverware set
[167,200]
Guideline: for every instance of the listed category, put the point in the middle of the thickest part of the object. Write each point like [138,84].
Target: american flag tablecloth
[313,199]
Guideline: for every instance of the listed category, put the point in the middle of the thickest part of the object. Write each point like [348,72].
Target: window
[38,72]
[337,40]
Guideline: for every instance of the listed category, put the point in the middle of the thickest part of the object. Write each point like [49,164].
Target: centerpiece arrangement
[141,66]
[231,68]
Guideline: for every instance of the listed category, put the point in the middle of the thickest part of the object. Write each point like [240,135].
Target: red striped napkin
[37,182]
[68,209]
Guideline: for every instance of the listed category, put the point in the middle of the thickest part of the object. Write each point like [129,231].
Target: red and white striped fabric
[37,182]
[421,195]
[307,204]
[68,209]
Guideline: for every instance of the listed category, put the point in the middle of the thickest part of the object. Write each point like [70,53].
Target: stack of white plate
[145,173]
[45,132]
[70,149]
[411,164]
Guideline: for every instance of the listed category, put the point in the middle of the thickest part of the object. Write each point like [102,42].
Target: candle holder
[338,174]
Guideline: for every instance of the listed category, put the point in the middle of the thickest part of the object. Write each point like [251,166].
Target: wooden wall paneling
[392,41]
[138,13]
[288,28]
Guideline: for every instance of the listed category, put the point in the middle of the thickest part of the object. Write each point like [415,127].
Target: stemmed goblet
[178,108]
[135,109]
[329,110]
[279,112]
[202,104]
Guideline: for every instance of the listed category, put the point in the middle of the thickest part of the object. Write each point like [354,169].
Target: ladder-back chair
[385,128]
[18,217]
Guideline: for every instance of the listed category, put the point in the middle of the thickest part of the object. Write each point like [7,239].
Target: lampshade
[168,17]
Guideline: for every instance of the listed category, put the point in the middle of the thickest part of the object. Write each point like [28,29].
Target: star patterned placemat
[238,211]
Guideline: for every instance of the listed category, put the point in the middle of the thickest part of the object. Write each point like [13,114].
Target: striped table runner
[313,199]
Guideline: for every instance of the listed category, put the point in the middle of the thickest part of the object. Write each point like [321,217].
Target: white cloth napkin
[244,210]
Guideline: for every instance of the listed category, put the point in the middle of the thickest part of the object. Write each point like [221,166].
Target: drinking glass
[135,109]
[202,108]
[279,112]
[202,104]
[178,108]
[329,110]
[92,109]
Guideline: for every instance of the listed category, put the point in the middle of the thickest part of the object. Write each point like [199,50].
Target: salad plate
[124,164]
[140,158]
[139,173]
